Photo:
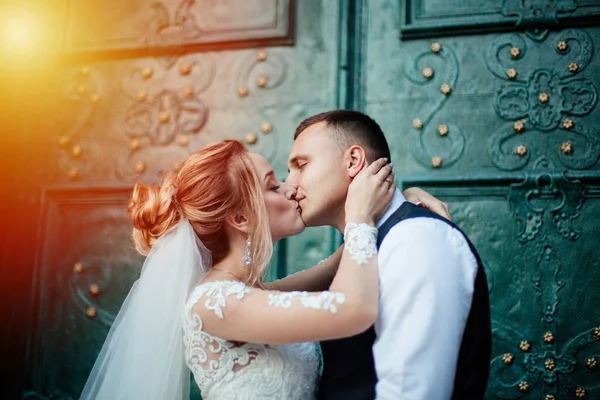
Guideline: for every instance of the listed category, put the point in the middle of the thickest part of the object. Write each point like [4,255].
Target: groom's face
[318,172]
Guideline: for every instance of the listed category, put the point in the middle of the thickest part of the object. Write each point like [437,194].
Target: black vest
[349,370]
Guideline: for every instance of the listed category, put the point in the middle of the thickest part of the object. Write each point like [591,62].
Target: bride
[200,303]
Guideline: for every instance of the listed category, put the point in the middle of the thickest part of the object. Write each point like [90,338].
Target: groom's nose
[291,180]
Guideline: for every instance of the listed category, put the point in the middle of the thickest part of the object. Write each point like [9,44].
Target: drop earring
[247,259]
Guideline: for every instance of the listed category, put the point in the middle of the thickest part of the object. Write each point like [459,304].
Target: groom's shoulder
[413,224]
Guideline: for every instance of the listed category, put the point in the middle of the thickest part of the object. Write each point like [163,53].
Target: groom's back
[349,370]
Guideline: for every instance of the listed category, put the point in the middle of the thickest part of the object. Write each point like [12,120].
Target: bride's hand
[370,193]
[422,198]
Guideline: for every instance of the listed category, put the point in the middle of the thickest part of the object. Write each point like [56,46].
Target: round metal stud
[139,167]
[567,148]
[550,365]
[443,130]
[142,96]
[568,124]
[508,359]
[580,393]
[63,141]
[94,99]
[511,73]
[84,71]
[562,46]
[94,290]
[596,333]
[90,312]
[548,337]
[550,397]
[525,346]
[164,117]
[573,67]
[184,140]
[524,386]
[262,81]
[78,268]
[81,89]
[185,69]
[544,97]
[417,123]
[250,138]
[519,126]
[428,73]
[266,128]
[76,151]
[515,52]
[188,92]
[436,162]
[591,363]
[436,47]
[446,89]
[521,150]
[147,72]
[261,56]
[73,173]
[242,91]
[135,144]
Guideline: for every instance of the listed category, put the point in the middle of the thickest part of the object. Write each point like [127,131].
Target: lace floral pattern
[360,241]
[323,301]
[245,371]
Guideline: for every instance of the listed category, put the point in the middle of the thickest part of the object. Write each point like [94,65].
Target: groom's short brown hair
[351,127]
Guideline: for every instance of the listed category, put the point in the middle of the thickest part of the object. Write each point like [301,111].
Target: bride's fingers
[376,166]
[384,173]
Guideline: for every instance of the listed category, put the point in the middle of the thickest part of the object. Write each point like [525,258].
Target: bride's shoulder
[212,296]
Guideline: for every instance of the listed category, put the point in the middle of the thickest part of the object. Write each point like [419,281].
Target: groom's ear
[356,159]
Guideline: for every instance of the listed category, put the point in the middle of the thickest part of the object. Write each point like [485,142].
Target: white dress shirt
[427,274]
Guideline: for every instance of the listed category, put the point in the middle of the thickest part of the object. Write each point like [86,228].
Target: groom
[432,340]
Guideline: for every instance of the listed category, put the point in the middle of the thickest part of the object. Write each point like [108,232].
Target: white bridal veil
[142,357]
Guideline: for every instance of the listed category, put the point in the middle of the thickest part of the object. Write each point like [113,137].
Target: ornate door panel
[140,86]
[504,126]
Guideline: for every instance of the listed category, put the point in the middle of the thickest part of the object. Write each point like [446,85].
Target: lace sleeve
[235,312]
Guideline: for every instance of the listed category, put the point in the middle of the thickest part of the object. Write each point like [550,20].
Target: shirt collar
[397,201]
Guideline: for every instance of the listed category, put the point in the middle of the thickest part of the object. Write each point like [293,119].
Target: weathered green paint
[532,216]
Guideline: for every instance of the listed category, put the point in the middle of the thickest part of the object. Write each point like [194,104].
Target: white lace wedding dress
[225,370]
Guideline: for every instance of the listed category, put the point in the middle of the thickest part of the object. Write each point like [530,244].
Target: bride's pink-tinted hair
[214,183]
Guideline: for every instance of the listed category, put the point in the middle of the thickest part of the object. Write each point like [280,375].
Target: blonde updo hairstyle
[213,184]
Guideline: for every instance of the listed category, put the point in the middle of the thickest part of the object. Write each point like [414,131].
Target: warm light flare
[21,33]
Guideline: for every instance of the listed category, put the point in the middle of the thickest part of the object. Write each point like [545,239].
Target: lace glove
[361,241]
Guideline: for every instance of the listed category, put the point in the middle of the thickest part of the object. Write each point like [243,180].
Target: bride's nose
[290,192]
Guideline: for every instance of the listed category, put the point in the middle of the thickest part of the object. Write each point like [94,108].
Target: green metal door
[492,106]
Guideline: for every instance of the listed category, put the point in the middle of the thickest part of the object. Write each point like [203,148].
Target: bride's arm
[240,313]
[320,276]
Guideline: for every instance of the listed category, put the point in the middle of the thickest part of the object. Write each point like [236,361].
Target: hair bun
[153,212]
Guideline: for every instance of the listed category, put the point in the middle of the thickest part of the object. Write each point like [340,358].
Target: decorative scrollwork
[541,99]
[165,109]
[255,76]
[428,144]
[95,271]
[546,193]
[538,12]
[83,91]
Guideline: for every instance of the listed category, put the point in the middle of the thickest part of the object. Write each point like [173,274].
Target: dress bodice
[230,370]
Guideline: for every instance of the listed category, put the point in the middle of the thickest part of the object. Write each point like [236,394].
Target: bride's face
[283,209]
